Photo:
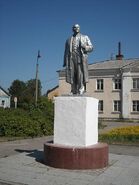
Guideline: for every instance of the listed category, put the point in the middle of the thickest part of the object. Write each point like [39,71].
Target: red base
[67,157]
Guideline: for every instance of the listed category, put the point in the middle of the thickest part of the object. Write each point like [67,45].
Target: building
[5,98]
[115,83]
[53,92]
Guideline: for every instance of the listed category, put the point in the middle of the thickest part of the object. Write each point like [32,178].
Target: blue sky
[27,26]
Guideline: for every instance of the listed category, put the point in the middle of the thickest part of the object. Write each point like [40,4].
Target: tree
[24,91]
[29,94]
[16,90]
[17,87]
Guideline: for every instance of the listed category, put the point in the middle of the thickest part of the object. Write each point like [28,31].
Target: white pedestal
[76,121]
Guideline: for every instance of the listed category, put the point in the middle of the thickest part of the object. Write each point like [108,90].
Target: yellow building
[53,93]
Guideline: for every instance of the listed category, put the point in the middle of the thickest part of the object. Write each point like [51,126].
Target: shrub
[122,134]
[31,121]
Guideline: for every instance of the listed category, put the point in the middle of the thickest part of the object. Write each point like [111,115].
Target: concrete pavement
[26,168]
[23,165]
[9,148]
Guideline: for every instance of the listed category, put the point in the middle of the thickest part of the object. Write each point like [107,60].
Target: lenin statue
[77,48]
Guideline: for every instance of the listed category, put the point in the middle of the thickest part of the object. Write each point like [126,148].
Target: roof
[4,91]
[50,90]
[113,64]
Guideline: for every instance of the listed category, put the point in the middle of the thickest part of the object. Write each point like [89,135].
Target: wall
[108,95]
[4,97]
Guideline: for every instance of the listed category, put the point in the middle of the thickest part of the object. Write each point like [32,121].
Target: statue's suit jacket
[84,41]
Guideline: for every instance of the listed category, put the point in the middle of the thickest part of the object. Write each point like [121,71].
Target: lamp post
[37,71]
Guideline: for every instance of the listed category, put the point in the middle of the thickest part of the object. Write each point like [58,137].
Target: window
[117,106]
[135,83]
[100,84]
[135,106]
[117,83]
[100,105]
[2,103]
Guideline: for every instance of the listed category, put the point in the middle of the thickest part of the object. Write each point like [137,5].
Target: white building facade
[5,98]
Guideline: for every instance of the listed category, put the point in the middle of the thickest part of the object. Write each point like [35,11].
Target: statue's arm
[88,47]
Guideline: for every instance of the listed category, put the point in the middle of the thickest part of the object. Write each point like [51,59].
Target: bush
[31,121]
[122,134]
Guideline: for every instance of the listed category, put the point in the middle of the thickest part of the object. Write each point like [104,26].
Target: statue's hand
[83,46]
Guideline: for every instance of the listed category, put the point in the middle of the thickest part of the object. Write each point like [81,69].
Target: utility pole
[37,72]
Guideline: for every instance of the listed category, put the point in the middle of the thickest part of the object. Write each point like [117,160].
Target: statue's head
[76,28]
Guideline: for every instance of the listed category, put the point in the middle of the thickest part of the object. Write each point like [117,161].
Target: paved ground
[18,146]
[21,164]
[28,145]
[25,168]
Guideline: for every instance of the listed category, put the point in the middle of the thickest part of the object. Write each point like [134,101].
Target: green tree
[16,90]
[24,91]
[29,94]
[17,87]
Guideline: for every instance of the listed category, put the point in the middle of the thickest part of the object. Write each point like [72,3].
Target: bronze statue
[75,60]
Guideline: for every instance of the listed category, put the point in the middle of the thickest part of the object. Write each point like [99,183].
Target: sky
[27,26]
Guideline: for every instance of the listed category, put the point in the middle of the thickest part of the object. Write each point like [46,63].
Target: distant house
[53,92]
[5,98]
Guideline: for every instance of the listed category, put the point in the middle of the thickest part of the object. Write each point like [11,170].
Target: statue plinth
[76,121]
[75,143]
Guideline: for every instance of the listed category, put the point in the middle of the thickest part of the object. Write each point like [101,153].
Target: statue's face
[76,28]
